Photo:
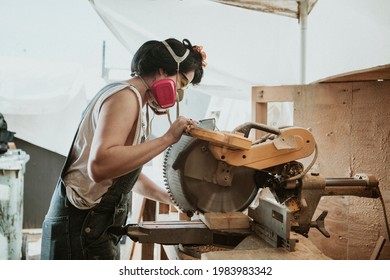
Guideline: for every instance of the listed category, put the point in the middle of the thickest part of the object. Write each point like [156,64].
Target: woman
[110,148]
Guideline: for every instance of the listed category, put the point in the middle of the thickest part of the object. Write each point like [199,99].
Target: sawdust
[197,251]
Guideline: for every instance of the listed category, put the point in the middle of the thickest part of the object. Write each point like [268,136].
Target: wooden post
[149,214]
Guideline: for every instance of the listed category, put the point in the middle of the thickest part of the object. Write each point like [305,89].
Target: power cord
[385,215]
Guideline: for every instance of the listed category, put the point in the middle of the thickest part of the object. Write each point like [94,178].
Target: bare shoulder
[117,115]
[124,95]
[123,99]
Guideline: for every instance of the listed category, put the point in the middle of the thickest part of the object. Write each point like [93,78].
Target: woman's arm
[149,189]
[112,153]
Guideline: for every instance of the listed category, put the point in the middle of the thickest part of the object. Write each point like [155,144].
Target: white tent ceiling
[289,8]
[247,47]
[235,60]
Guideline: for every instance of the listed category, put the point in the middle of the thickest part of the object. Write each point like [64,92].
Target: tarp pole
[303,13]
[104,73]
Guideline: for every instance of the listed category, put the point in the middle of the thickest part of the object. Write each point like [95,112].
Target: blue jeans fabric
[69,233]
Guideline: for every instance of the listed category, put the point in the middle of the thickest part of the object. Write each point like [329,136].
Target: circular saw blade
[197,181]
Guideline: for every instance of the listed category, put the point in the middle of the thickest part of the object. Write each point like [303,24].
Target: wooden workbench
[254,248]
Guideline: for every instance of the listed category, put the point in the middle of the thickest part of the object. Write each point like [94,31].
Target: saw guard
[292,144]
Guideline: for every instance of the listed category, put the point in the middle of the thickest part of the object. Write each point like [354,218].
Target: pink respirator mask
[163,95]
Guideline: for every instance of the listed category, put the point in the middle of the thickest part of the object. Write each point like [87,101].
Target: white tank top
[81,191]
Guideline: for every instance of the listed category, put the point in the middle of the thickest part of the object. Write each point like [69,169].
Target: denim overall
[69,233]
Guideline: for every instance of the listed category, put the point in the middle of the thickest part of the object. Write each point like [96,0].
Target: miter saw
[213,171]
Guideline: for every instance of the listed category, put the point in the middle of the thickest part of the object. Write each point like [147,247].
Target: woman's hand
[177,128]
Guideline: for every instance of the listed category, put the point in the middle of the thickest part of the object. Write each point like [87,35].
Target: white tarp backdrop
[42,102]
[51,57]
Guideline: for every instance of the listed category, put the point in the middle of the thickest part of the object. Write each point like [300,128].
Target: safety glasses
[184,83]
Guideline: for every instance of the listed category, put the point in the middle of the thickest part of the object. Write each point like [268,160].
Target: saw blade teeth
[172,177]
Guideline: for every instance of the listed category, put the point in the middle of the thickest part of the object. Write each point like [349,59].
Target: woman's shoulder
[116,87]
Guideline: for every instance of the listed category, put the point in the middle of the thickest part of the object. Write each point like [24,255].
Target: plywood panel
[328,116]
[336,223]
[370,153]
[350,122]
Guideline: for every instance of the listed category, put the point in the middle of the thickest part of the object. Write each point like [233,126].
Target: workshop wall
[350,122]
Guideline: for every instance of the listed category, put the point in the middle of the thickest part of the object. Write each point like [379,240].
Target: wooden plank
[370,74]
[274,94]
[230,220]
[226,139]
[260,116]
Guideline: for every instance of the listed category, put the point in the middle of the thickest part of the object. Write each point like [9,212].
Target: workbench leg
[149,214]
[163,254]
